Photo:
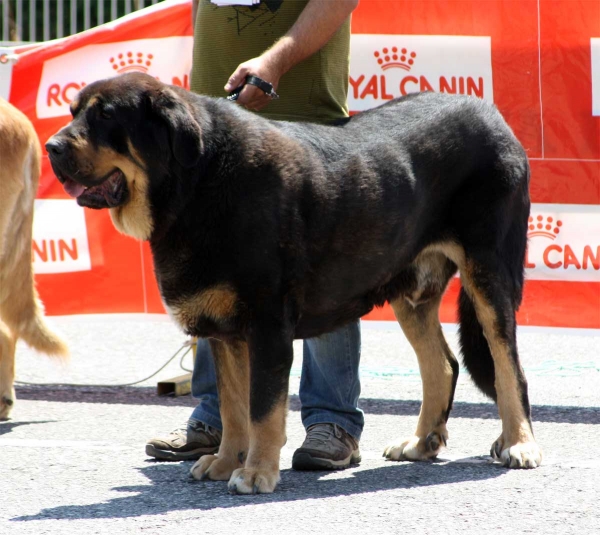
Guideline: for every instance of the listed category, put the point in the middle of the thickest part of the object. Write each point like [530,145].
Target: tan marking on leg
[218,303]
[233,367]
[449,249]
[518,448]
[267,437]
[422,328]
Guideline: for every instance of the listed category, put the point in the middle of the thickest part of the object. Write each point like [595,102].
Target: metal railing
[42,20]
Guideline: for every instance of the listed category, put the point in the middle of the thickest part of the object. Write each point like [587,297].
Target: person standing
[301,48]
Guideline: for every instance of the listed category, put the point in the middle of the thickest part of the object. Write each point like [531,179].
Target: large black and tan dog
[265,231]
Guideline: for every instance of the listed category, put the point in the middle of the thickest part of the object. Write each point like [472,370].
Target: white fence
[42,20]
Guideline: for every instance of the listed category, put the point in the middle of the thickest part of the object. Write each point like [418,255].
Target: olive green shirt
[315,89]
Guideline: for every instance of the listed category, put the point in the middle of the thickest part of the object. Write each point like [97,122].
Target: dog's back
[21,312]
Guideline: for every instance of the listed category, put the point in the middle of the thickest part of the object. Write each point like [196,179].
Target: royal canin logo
[167,59]
[60,241]
[394,58]
[383,67]
[548,228]
[567,254]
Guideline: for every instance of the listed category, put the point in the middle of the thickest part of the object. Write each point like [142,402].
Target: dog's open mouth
[111,193]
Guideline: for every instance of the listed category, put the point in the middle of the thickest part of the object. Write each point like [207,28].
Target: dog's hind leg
[418,317]
[489,288]
[7,371]
[233,383]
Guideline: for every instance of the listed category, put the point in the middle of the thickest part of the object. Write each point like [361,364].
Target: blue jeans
[329,386]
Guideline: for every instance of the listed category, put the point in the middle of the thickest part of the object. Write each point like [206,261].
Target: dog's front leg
[271,355]
[233,382]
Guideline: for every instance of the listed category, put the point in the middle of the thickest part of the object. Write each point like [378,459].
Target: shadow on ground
[7,426]
[147,396]
[171,489]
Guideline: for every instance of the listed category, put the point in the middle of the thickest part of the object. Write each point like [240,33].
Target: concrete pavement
[72,458]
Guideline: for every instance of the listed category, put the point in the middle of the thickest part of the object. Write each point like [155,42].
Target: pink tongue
[73,188]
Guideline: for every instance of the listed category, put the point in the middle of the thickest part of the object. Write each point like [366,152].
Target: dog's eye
[106,113]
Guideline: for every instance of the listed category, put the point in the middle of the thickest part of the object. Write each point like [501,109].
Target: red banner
[537,61]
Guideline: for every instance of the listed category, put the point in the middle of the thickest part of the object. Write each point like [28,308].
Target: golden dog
[21,312]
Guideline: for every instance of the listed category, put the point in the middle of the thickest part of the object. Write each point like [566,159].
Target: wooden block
[177,386]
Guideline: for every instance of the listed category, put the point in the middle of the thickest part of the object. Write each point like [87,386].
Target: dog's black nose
[55,146]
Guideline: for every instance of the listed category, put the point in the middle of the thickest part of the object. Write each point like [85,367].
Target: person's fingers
[252,97]
[236,79]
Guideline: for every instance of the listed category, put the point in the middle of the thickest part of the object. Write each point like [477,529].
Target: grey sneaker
[186,443]
[326,447]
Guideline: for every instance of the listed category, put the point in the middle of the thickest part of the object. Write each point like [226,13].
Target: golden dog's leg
[233,382]
[271,355]
[7,371]
[516,446]
[439,372]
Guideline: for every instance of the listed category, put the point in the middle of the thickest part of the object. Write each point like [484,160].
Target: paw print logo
[394,57]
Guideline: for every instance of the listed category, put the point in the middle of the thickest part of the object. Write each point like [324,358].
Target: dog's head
[124,130]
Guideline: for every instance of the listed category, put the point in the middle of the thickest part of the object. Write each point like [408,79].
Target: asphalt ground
[72,458]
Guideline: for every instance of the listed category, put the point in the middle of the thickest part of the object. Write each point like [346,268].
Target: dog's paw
[253,481]
[521,455]
[214,467]
[416,449]
[7,401]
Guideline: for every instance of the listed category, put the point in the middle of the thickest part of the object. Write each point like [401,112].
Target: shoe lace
[181,430]
[203,427]
[321,433]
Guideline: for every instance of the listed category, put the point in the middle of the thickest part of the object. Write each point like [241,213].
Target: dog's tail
[476,354]
[20,307]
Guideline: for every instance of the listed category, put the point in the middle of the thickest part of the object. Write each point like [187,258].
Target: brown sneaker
[186,443]
[326,447]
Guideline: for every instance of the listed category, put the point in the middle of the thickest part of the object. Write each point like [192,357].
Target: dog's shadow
[172,489]
[6,426]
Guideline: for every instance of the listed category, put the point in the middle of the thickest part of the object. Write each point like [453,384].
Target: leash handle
[266,87]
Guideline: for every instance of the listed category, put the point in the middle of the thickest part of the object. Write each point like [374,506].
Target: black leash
[258,82]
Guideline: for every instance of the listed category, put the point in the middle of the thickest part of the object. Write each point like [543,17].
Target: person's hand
[252,97]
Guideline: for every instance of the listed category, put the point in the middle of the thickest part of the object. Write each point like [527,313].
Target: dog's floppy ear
[184,131]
